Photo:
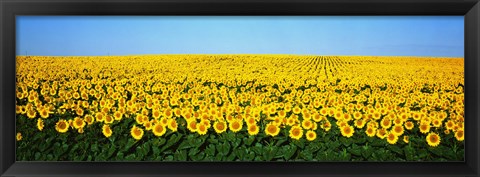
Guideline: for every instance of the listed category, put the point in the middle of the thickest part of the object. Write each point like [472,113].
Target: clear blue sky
[318,35]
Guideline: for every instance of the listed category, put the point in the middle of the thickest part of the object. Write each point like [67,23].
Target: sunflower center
[137,132]
[398,129]
[272,129]
[236,125]
[159,128]
[220,126]
[296,132]
[62,125]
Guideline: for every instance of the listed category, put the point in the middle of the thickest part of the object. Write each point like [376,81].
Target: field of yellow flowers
[239,108]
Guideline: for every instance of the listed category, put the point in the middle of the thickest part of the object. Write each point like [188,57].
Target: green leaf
[395,149]
[180,155]
[307,155]
[422,153]
[210,150]
[240,152]
[224,149]
[193,152]
[299,143]
[230,136]
[199,157]
[173,139]
[289,151]
[269,153]
[120,156]
[236,142]
[280,141]
[185,145]
[346,142]
[130,157]
[146,148]
[231,157]
[37,156]
[248,140]
[409,153]
[355,151]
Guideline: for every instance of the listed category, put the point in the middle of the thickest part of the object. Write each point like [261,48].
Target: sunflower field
[239,108]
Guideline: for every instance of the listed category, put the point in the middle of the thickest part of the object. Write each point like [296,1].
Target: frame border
[470,9]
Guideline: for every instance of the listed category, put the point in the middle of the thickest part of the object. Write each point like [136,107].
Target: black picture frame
[470,9]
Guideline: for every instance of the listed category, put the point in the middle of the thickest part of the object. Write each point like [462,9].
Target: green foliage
[228,146]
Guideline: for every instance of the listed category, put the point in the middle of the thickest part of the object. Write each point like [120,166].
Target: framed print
[251,88]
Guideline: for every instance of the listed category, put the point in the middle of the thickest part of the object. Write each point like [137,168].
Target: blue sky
[317,35]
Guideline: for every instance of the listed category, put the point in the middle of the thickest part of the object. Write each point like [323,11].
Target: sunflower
[156,114]
[272,129]
[220,126]
[19,136]
[392,138]
[79,111]
[159,130]
[360,123]
[282,113]
[307,124]
[235,125]
[202,129]
[409,125]
[136,132]
[397,130]
[192,125]
[357,115]
[148,125]
[406,139]
[107,132]
[326,126]
[459,135]
[253,129]
[386,123]
[424,128]
[347,131]
[78,123]
[40,124]
[62,126]
[433,139]
[100,117]
[172,125]
[324,111]
[449,124]
[44,113]
[297,110]
[381,133]
[296,132]
[89,119]
[436,123]
[31,113]
[118,115]
[317,117]
[370,131]
[251,121]
[108,119]
[18,109]
[311,135]
[168,113]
